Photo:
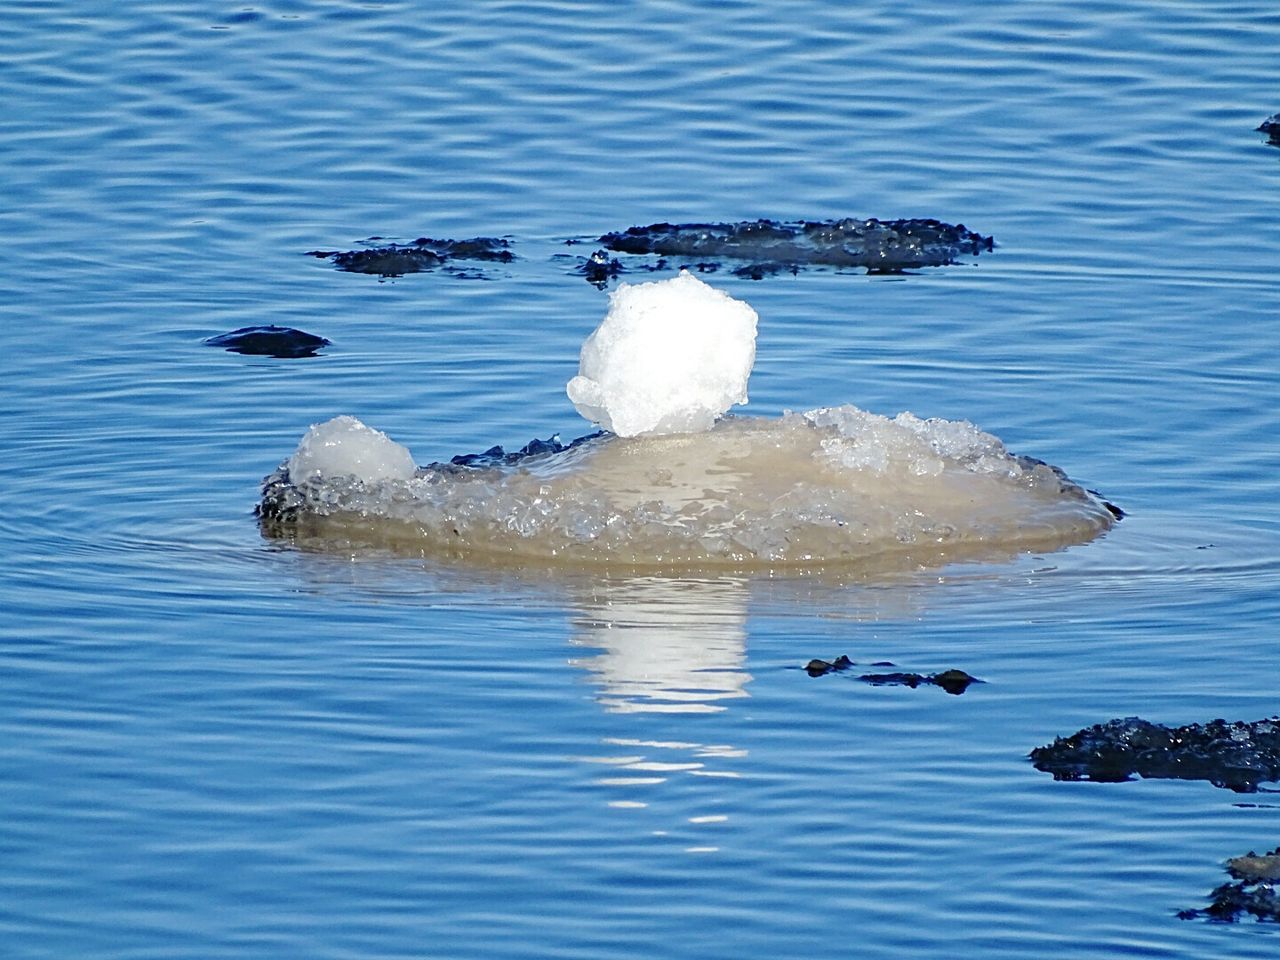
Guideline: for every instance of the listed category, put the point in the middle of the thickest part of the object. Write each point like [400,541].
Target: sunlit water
[215,744]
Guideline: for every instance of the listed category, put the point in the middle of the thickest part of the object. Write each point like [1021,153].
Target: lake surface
[216,744]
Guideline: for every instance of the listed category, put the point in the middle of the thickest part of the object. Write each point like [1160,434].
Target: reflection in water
[669,646]
[633,765]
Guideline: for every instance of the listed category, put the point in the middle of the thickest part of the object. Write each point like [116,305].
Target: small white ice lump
[345,447]
[669,357]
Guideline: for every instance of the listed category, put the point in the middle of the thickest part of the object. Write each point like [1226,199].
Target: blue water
[217,745]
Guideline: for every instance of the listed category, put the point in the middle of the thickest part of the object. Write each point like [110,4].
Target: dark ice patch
[1251,894]
[599,268]
[496,456]
[391,261]
[1271,127]
[770,247]
[270,341]
[770,268]
[952,681]
[425,253]
[820,668]
[1235,756]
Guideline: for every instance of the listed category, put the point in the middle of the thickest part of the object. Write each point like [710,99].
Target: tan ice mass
[832,486]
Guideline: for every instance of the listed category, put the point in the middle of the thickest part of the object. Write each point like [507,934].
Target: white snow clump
[345,447]
[669,357]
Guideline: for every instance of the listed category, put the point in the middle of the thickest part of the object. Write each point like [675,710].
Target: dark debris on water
[772,246]
[270,341]
[952,681]
[599,268]
[755,249]
[496,456]
[424,253]
[1235,756]
[1271,127]
[1252,892]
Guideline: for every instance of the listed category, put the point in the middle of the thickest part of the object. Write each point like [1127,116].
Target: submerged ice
[669,357]
[677,483]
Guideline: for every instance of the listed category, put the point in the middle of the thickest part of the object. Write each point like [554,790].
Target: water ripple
[213,747]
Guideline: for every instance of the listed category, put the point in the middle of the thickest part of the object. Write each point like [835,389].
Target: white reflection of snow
[668,645]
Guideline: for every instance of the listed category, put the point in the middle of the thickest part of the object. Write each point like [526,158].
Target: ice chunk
[868,441]
[345,447]
[669,357]
[834,486]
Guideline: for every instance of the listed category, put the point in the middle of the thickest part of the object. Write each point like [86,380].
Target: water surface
[220,745]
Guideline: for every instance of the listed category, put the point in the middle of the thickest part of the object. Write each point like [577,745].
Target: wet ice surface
[831,486]
[345,447]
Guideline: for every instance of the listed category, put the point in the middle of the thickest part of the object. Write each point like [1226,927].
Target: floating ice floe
[829,486]
[675,483]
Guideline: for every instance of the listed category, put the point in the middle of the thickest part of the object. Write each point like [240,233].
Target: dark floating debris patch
[270,341]
[1235,756]
[772,247]
[1252,894]
[820,668]
[1271,127]
[760,248]
[772,268]
[1114,510]
[495,456]
[396,260]
[952,681]
[600,268]
[390,261]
